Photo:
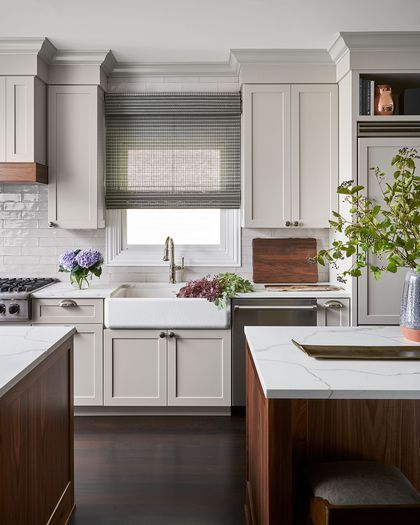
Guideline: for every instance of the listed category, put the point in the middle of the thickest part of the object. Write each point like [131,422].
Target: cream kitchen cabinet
[290,155]
[199,368]
[76,133]
[23,119]
[333,312]
[165,368]
[86,315]
[379,301]
[135,368]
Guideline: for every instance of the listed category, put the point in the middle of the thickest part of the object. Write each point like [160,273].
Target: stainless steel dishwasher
[263,312]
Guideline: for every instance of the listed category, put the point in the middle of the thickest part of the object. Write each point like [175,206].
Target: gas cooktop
[15,296]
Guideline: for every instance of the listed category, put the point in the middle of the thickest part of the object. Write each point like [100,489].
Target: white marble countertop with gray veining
[23,347]
[285,372]
[97,290]
[63,290]
[260,292]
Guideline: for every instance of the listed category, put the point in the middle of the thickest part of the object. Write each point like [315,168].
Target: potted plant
[81,264]
[391,231]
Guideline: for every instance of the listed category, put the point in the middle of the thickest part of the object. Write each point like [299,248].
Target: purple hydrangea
[68,260]
[88,258]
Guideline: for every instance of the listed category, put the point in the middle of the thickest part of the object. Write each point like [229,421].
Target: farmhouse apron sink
[155,305]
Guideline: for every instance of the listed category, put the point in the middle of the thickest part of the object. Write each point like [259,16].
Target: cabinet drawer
[67,311]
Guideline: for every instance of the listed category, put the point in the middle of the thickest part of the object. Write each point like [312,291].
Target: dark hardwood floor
[159,470]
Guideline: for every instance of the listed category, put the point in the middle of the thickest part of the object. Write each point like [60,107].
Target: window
[173,168]
[204,237]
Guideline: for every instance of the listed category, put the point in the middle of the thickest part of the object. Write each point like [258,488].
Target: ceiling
[198,30]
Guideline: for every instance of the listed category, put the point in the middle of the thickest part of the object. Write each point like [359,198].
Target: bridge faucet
[169,255]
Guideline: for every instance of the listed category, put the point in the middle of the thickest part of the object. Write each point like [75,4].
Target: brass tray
[385,353]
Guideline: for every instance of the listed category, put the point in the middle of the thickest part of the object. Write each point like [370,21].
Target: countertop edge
[23,373]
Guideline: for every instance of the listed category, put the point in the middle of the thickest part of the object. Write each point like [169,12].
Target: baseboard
[152,411]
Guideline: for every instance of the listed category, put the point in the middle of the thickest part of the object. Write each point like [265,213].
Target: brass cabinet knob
[162,335]
[171,334]
[296,223]
[288,223]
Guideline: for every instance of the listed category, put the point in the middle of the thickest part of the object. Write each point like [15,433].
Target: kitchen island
[301,410]
[36,425]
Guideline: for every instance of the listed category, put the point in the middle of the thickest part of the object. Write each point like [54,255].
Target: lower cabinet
[167,368]
[88,365]
[135,368]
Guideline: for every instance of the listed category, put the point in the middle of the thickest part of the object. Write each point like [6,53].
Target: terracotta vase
[410,307]
[384,104]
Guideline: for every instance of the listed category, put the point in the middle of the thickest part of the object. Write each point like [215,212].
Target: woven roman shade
[173,150]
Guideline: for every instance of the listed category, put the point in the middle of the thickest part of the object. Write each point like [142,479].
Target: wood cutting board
[284,261]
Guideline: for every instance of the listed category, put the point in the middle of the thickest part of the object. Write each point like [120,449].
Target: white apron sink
[155,305]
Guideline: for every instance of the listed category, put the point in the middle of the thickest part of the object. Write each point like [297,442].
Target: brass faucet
[169,255]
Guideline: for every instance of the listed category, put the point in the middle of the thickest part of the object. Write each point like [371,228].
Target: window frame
[227,253]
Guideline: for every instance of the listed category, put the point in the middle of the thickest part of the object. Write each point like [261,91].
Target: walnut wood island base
[284,434]
[36,426]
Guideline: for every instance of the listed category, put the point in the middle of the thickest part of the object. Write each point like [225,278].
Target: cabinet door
[199,368]
[135,365]
[2,119]
[314,164]
[73,156]
[266,156]
[88,365]
[20,109]
[379,301]
[333,312]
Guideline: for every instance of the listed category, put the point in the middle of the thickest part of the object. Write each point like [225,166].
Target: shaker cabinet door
[88,366]
[199,368]
[2,119]
[266,155]
[75,156]
[379,301]
[20,107]
[135,367]
[314,160]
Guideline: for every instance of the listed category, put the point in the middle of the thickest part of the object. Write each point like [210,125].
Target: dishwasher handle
[312,307]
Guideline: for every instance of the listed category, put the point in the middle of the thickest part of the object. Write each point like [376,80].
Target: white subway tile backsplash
[29,248]
[15,197]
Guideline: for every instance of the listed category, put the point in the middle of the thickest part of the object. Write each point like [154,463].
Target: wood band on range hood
[23,172]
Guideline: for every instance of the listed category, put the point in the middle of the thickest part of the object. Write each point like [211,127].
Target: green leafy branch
[390,231]
[231,284]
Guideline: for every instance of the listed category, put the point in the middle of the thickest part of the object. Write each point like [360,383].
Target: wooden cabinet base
[36,444]
[23,172]
[285,434]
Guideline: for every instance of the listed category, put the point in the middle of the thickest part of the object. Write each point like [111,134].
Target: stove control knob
[14,309]
[2,309]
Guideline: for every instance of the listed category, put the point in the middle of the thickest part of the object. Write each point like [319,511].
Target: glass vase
[410,307]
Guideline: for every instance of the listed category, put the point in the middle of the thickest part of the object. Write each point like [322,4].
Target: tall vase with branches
[388,230]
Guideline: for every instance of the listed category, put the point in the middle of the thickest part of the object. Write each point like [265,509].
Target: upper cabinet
[23,135]
[290,155]
[76,135]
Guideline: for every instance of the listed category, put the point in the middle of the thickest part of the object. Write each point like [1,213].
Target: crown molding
[39,46]
[173,69]
[281,56]
[375,49]
[73,57]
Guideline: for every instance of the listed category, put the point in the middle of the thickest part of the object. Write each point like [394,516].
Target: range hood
[23,172]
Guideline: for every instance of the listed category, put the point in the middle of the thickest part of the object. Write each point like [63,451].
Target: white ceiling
[199,30]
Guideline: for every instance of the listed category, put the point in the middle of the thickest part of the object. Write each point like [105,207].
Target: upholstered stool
[361,493]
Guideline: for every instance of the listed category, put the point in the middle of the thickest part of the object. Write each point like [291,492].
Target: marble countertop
[22,348]
[260,292]
[102,290]
[285,372]
[62,290]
